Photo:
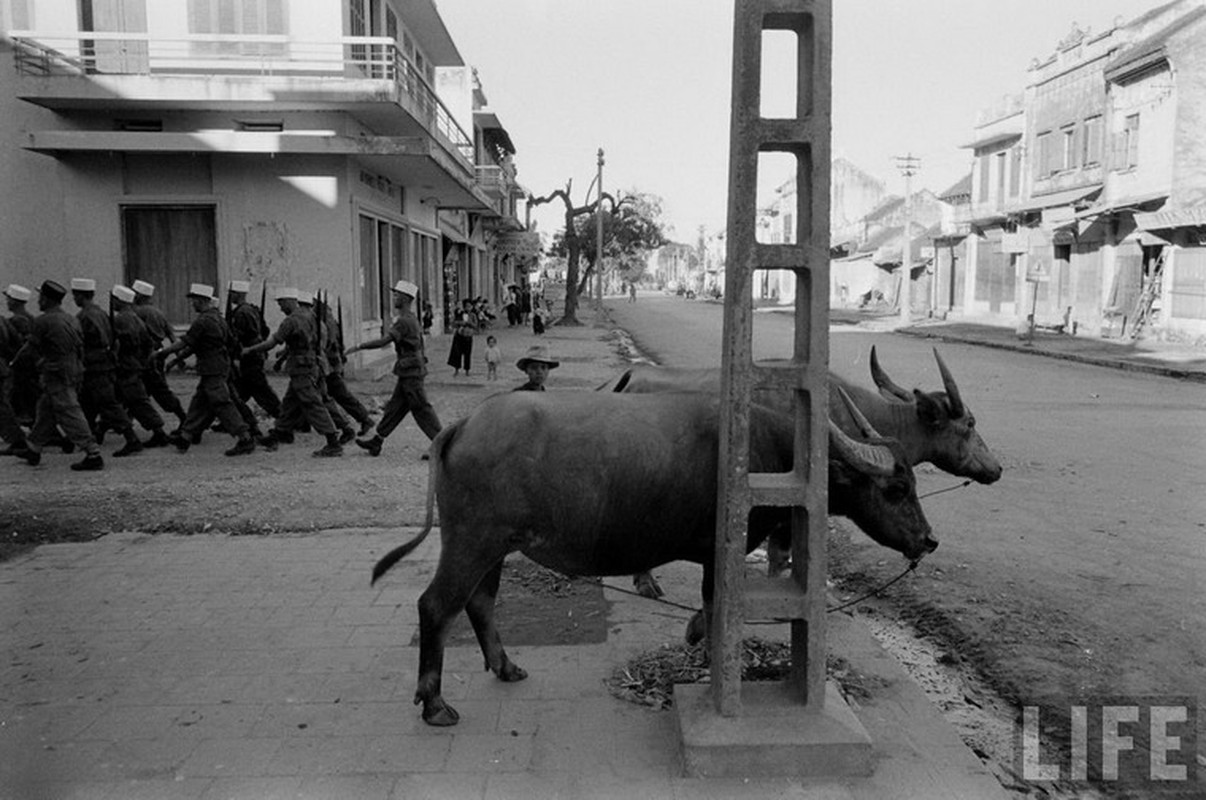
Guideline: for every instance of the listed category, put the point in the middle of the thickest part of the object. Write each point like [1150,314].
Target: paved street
[239,652]
[1080,571]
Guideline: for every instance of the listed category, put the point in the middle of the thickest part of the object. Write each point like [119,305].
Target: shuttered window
[244,17]
[1091,142]
[1188,290]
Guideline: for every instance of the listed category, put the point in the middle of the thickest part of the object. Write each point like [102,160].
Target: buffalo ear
[929,411]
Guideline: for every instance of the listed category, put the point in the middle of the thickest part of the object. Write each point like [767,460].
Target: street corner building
[334,145]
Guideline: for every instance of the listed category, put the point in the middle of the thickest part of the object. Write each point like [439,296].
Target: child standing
[493,358]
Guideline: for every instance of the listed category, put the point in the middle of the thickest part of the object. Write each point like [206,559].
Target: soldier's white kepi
[18,292]
[305,298]
[201,290]
[123,293]
[240,286]
[143,288]
[83,285]
[407,288]
[286,293]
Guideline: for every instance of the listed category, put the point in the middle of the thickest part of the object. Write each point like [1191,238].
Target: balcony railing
[233,55]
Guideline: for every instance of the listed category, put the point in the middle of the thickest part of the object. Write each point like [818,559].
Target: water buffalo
[933,427]
[607,484]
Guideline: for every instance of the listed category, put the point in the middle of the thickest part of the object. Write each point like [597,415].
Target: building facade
[1089,192]
[335,145]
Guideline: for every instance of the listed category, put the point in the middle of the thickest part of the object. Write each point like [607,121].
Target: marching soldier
[57,342]
[10,431]
[338,418]
[303,400]
[153,378]
[409,397]
[134,348]
[209,339]
[247,324]
[99,393]
[337,387]
[25,388]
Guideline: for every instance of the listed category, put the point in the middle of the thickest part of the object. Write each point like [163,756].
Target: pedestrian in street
[57,344]
[247,324]
[410,367]
[134,347]
[493,358]
[154,379]
[98,397]
[25,388]
[538,317]
[464,325]
[337,387]
[208,338]
[536,363]
[303,400]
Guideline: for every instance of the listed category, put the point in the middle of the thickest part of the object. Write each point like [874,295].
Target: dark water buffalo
[607,484]
[933,427]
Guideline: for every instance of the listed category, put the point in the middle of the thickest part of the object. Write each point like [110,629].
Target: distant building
[1088,200]
[338,145]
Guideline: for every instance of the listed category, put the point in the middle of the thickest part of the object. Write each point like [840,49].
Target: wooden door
[170,247]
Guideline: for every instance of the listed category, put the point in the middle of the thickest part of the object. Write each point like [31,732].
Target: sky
[649,81]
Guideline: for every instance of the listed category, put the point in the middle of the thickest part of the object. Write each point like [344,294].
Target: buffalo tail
[438,446]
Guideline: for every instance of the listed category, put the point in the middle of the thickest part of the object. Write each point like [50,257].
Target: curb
[1151,369]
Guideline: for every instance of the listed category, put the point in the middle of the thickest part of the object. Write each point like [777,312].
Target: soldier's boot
[131,446]
[243,446]
[15,449]
[332,447]
[91,463]
[348,435]
[158,439]
[366,426]
[372,445]
[177,440]
[30,457]
[269,442]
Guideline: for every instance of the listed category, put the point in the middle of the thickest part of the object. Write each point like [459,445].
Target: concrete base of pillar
[773,736]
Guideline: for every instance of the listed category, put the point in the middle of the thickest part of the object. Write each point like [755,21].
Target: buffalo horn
[864,425]
[885,384]
[872,458]
[952,391]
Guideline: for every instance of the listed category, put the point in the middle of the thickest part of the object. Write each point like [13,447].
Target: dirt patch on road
[539,607]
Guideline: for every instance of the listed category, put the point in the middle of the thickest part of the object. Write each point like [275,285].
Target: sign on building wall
[524,244]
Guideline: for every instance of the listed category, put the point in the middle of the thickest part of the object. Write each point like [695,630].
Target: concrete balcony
[367,77]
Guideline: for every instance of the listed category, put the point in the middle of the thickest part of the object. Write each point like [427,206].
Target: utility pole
[599,239]
[908,165]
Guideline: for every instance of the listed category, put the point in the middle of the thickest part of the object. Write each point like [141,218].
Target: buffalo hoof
[647,586]
[697,631]
[511,673]
[438,713]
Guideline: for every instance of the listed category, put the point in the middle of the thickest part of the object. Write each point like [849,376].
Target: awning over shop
[1063,198]
[1192,216]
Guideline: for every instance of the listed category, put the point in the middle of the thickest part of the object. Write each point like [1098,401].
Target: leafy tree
[631,228]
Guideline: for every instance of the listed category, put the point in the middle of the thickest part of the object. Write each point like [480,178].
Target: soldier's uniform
[208,339]
[247,325]
[134,348]
[410,368]
[58,345]
[10,431]
[159,329]
[323,333]
[25,385]
[303,400]
[337,387]
[98,396]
